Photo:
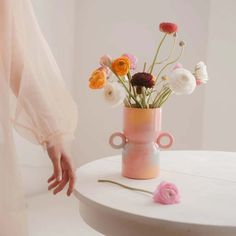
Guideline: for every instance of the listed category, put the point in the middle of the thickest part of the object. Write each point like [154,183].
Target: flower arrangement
[144,89]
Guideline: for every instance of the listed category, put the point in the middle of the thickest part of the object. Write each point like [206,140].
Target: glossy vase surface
[141,140]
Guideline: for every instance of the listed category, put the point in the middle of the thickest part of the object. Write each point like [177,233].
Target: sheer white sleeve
[44,113]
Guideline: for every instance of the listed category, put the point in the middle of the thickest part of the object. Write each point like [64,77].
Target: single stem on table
[124,186]
[157,52]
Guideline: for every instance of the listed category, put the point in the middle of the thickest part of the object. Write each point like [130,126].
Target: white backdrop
[79,32]
[220,97]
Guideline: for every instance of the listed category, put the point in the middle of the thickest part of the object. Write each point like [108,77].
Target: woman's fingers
[51,178]
[53,185]
[57,168]
[62,184]
[62,163]
[71,182]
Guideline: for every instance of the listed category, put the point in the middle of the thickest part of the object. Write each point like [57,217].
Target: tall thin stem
[124,186]
[170,54]
[169,63]
[131,87]
[144,66]
[157,52]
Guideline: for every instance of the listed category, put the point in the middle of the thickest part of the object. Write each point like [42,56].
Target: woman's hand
[63,170]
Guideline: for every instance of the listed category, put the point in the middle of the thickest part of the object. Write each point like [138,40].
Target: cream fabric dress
[33,99]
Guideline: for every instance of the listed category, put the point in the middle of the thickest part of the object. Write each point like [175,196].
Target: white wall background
[220,97]
[79,32]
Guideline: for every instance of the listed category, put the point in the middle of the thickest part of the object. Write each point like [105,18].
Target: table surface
[206,181]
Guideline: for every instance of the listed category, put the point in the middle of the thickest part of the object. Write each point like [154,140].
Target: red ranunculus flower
[168,28]
[143,79]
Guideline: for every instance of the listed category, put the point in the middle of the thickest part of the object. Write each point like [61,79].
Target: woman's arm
[45,111]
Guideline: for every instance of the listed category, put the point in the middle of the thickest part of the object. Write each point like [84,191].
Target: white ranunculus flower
[114,93]
[182,81]
[200,73]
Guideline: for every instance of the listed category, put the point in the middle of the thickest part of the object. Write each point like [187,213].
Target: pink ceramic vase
[141,139]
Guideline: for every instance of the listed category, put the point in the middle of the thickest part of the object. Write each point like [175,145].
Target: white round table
[206,181]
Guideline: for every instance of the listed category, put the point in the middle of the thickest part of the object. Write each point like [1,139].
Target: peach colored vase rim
[146,109]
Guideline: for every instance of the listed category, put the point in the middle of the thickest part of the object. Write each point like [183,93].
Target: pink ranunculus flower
[166,193]
[198,82]
[177,66]
[105,61]
[133,60]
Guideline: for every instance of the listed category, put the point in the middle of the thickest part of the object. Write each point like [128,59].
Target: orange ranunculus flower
[98,79]
[121,66]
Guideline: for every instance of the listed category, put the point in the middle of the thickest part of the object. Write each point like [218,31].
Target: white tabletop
[206,181]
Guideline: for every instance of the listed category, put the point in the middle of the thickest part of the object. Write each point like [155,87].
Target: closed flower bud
[182,43]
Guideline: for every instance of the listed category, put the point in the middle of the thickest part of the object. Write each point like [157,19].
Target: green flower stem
[127,103]
[171,52]
[165,98]
[144,66]
[127,90]
[159,83]
[124,186]
[159,94]
[157,52]
[150,95]
[131,87]
[144,97]
[169,63]
[158,99]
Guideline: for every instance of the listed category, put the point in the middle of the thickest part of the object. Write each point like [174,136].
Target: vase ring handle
[165,135]
[117,135]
